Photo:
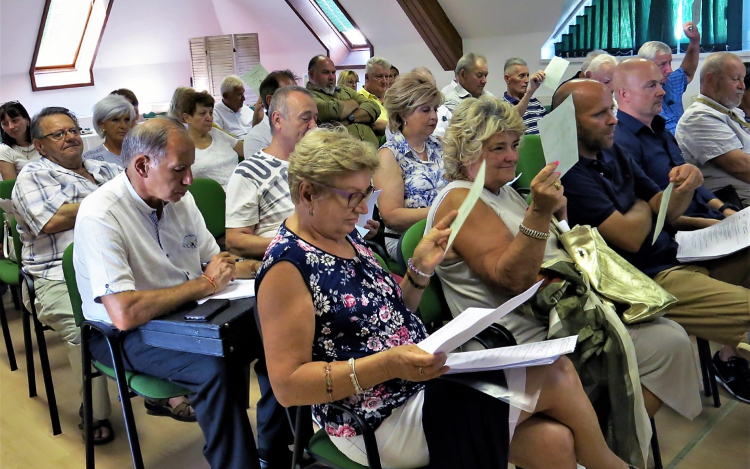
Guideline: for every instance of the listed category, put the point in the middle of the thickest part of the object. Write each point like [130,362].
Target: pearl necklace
[424,146]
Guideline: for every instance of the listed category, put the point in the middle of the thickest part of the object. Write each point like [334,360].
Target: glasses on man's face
[60,134]
[381,77]
[352,198]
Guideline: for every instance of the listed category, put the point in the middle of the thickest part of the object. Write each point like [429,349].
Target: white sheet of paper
[370,209]
[519,356]
[662,211]
[470,323]
[362,231]
[559,136]
[7,206]
[468,204]
[240,288]
[554,72]
[254,77]
[696,18]
[726,237]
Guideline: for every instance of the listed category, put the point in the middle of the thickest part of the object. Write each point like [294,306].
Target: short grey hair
[590,57]
[651,48]
[151,138]
[379,61]
[512,62]
[229,83]
[278,101]
[36,131]
[714,63]
[600,60]
[467,62]
[109,107]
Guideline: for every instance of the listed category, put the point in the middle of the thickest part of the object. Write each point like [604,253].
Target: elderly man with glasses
[377,82]
[46,198]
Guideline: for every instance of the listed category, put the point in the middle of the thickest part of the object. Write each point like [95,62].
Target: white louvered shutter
[247,56]
[199,64]
[220,61]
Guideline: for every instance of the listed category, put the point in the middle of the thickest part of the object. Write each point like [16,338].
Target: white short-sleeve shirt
[236,123]
[258,138]
[18,156]
[258,194]
[120,245]
[218,160]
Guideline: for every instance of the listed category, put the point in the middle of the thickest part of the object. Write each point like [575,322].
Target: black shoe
[734,375]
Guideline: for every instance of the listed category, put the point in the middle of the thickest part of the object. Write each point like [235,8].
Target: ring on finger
[557,185]
[421,371]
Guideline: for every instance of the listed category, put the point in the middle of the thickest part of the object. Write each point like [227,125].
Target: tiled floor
[718,438]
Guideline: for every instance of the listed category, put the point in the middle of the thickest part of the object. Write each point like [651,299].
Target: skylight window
[340,21]
[63,33]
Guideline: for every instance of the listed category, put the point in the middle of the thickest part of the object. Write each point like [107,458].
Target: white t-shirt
[18,156]
[121,246]
[258,138]
[218,160]
[101,153]
[236,123]
[258,194]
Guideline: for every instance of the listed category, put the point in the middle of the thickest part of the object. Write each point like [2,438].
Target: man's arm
[534,81]
[736,163]
[334,109]
[379,127]
[692,55]
[628,231]
[686,179]
[366,106]
[244,242]
[64,219]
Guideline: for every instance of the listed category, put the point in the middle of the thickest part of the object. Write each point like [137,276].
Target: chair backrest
[211,201]
[70,280]
[17,246]
[432,307]
[6,188]
[530,160]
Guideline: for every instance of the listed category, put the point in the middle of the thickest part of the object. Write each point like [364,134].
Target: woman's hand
[372,227]
[431,249]
[547,191]
[411,363]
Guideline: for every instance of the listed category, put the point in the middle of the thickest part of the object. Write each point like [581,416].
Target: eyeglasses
[59,134]
[381,77]
[352,198]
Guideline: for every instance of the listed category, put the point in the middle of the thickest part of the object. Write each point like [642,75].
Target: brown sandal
[161,407]
[98,425]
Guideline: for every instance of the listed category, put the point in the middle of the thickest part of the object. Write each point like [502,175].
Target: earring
[310,212]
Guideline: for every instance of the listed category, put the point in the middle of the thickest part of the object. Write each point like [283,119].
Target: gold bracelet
[533,233]
[211,281]
[329,382]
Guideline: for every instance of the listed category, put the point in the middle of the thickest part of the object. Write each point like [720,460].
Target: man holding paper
[520,93]
[609,191]
[139,244]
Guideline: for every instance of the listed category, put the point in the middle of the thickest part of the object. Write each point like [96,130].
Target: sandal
[98,425]
[161,407]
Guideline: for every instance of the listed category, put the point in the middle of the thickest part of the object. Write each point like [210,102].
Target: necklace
[26,151]
[424,146]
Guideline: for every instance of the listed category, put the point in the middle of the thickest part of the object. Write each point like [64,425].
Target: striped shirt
[41,189]
[534,113]
[672,108]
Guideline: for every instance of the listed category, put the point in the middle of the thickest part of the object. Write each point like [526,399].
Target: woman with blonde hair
[348,78]
[411,163]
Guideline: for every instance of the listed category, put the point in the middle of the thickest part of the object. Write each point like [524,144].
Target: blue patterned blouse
[422,179]
[358,312]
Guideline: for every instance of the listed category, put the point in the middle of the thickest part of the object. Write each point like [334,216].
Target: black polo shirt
[656,152]
[597,188]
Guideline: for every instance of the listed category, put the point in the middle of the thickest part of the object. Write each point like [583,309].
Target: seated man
[520,93]
[258,199]
[259,136]
[341,105]
[585,65]
[601,69]
[642,133]
[471,78]
[674,82]
[607,190]
[46,198]
[230,114]
[377,72]
[713,133]
[139,244]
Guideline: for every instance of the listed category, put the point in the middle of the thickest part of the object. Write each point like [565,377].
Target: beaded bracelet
[353,376]
[415,284]
[211,281]
[533,233]
[417,271]
[329,382]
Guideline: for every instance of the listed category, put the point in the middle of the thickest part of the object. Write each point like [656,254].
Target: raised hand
[429,252]
[547,191]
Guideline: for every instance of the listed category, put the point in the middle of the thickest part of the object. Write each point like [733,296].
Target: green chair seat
[8,272]
[322,447]
[211,201]
[146,385]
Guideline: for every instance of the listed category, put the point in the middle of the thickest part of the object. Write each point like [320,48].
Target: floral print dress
[358,312]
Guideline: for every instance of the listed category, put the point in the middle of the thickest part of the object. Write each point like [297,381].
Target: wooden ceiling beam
[436,29]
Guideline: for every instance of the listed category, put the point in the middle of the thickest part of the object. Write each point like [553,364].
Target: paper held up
[722,239]
[254,77]
[240,288]
[554,72]
[518,356]
[362,221]
[470,323]
[559,136]
[665,196]
[467,205]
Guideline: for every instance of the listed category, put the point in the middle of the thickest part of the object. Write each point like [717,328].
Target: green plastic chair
[129,383]
[8,276]
[211,201]
[530,162]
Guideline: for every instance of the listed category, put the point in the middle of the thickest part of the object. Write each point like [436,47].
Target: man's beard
[329,89]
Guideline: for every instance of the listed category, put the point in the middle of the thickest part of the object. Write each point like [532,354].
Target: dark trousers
[218,395]
[274,433]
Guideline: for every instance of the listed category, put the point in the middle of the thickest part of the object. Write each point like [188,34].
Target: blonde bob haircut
[474,122]
[326,154]
[407,93]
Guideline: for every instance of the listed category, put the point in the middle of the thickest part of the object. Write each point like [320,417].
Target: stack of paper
[363,218]
[722,239]
[240,288]
[519,356]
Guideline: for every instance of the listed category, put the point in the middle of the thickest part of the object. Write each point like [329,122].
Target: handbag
[9,251]
[614,278]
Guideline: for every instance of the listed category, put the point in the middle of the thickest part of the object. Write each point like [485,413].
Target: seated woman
[113,118]
[215,151]
[337,327]
[17,148]
[348,78]
[411,163]
[501,247]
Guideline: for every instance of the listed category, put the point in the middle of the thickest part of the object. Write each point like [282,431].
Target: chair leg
[7,338]
[49,386]
[709,377]
[29,348]
[127,408]
[88,411]
[655,446]
[16,300]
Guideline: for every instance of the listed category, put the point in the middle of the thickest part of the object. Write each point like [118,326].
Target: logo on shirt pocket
[190,241]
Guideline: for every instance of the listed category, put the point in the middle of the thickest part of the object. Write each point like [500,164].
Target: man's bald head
[594,118]
[637,85]
[625,71]
[579,88]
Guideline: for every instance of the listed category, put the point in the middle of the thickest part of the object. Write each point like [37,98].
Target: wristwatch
[351,118]
[728,205]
